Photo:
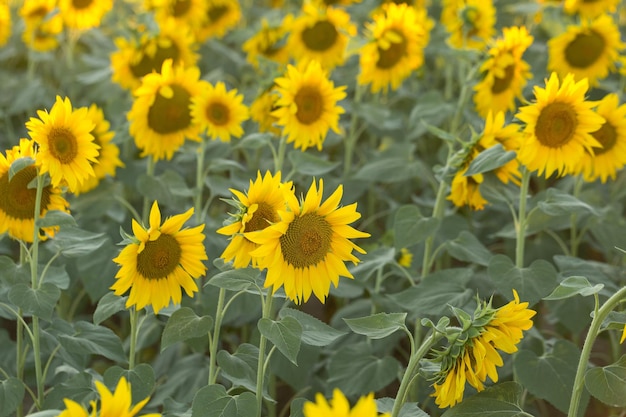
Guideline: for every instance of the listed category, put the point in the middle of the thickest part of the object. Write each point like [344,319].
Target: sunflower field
[312,208]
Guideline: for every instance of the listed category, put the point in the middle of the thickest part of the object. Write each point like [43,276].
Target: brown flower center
[502,84]
[388,58]
[310,105]
[556,125]
[321,36]
[585,50]
[16,199]
[159,258]
[82,4]
[607,136]
[62,144]
[215,13]
[264,215]
[169,115]
[218,113]
[306,241]
[181,7]
[147,63]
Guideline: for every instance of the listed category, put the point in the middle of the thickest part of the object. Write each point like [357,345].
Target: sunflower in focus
[558,127]
[136,58]
[320,34]
[41,24]
[185,13]
[307,106]
[469,22]
[160,117]
[269,43]
[84,14]
[108,158]
[505,73]
[338,406]
[261,112]
[610,157]
[160,261]
[17,199]
[257,209]
[66,147]
[221,16]
[218,111]
[5,23]
[398,36]
[305,251]
[587,51]
[590,9]
[112,404]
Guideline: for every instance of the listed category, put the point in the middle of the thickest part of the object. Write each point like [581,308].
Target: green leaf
[502,400]
[214,401]
[38,302]
[107,306]
[11,273]
[11,395]
[285,334]
[608,384]
[56,218]
[255,141]
[235,369]
[389,170]
[372,261]
[377,326]
[410,228]
[532,283]
[75,242]
[89,338]
[550,376]
[235,279]
[490,159]
[572,286]
[441,134]
[385,405]
[184,324]
[557,202]
[141,379]
[466,247]
[314,331]
[309,164]
[19,164]
[296,406]
[167,188]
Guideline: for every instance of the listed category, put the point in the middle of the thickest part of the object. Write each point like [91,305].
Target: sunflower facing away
[221,16]
[399,34]
[469,22]
[590,8]
[42,24]
[66,146]
[160,117]
[320,34]
[221,112]
[184,13]
[338,406]
[305,251]
[509,136]
[161,260]
[17,199]
[261,112]
[587,51]
[269,42]
[307,106]
[465,189]
[112,404]
[505,73]
[257,209]
[84,14]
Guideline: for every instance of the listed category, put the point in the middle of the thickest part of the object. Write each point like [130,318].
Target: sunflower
[221,112]
[509,137]
[465,191]
[307,106]
[621,340]
[221,16]
[161,260]
[66,146]
[610,157]
[590,8]
[335,2]
[404,258]
[184,13]
[469,22]
[587,51]
[136,58]
[5,23]
[160,117]
[84,14]
[269,42]
[399,34]
[320,34]
[42,24]
[558,127]
[505,73]
[112,404]
[257,209]
[108,159]
[305,251]
[339,406]
[261,112]
[17,199]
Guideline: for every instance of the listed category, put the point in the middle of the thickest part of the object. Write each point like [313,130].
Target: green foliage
[502,400]
[532,283]
[377,326]
[11,395]
[285,334]
[608,383]
[214,401]
[184,324]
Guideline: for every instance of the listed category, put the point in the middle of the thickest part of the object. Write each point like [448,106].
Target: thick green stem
[260,376]
[574,234]
[594,329]
[438,211]
[134,332]
[199,181]
[350,141]
[279,158]
[219,315]
[522,219]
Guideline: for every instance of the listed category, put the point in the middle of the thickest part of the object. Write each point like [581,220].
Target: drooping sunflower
[307,106]
[305,251]
[160,261]
[558,127]
[42,24]
[17,199]
[160,117]
[112,404]
[261,112]
[136,58]
[587,51]
[5,23]
[505,73]
[185,13]
[218,111]
[108,158]
[510,137]
[257,209]
[84,14]
[221,16]
[465,189]
[611,156]
[321,34]
[66,146]
[338,406]
[398,36]
[469,22]
[269,42]
[590,8]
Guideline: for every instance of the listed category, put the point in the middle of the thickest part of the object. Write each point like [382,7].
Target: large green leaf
[89,338]
[314,331]
[184,324]
[410,227]
[502,400]
[285,334]
[373,261]
[467,247]
[532,283]
[236,369]
[309,164]
[572,286]
[235,279]
[108,306]
[377,326]
[608,384]
[214,401]
[11,395]
[490,159]
[75,242]
[39,302]
[388,170]
[557,203]
[141,379]
[385,405]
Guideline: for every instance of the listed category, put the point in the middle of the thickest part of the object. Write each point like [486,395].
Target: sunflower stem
[351,139]
[199,181]
[134,331]
[594,330]
[260,376]
[146,202]
[219,315]
[279,159]
[574,237]
[522,219]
